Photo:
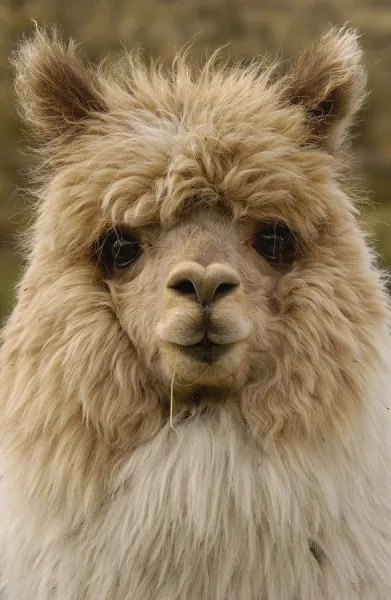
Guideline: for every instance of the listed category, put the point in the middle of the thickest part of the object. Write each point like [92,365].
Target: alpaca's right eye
[117,250]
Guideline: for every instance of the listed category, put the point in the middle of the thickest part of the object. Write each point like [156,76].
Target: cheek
[260,292]
[137,305]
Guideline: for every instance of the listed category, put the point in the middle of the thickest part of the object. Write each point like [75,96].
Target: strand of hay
[172,394]
[172,391]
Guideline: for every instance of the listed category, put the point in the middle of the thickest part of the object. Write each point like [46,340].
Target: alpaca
[195,377]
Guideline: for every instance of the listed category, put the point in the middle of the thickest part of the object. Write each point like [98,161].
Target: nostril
[185,287]
[205,284]
[224,288]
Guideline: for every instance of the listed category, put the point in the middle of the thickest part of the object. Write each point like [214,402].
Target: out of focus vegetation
[252,27]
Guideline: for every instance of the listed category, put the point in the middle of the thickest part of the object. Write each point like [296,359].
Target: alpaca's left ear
[329,81]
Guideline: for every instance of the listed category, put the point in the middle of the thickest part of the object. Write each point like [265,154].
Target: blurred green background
[252,27]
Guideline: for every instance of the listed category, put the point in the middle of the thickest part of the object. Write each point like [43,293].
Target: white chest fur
[206,513]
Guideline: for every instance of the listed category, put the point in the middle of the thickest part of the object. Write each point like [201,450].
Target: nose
[205,284]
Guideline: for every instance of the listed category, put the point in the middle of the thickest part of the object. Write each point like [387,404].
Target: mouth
[205,351]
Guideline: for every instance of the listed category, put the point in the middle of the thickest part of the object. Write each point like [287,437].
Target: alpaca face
[195,297]
[193,232]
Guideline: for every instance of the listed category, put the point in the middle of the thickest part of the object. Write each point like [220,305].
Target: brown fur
[330,82]
[55,90]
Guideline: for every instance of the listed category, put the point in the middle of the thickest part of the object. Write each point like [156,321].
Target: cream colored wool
[275,485]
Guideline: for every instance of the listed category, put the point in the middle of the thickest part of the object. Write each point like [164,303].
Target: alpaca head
[192,230]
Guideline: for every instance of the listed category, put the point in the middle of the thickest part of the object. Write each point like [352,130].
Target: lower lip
[206,354]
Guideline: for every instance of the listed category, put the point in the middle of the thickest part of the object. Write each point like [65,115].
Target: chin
[222,367]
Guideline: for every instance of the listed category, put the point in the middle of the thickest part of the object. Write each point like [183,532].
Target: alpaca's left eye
[275,242]
[117,250]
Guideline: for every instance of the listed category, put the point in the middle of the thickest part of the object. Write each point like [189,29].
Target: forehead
[150,157]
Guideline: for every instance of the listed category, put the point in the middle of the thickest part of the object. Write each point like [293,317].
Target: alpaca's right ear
[55,89]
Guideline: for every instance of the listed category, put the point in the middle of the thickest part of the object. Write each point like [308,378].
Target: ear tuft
[55,89]
[329,81]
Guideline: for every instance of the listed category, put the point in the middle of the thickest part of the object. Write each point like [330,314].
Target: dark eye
[117,249]
[276,243]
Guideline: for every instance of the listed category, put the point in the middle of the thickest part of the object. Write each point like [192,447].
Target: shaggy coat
[195,378]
